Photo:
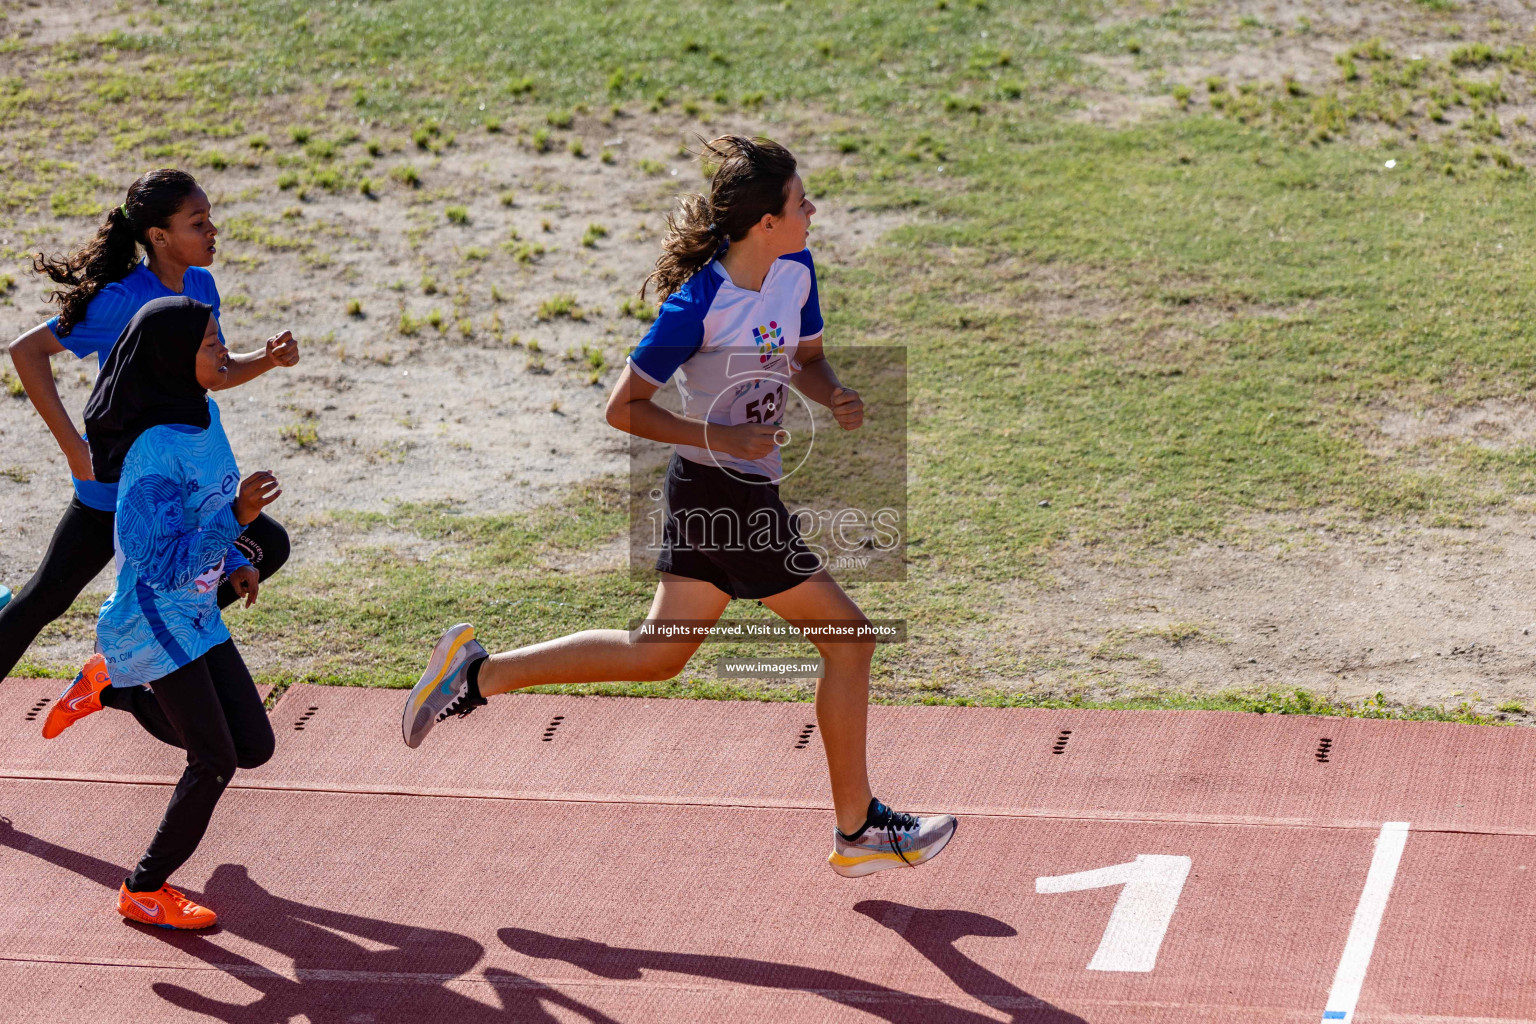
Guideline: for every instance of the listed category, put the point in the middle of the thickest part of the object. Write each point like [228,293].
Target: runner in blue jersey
[741,323]
[103,285]
[180,507]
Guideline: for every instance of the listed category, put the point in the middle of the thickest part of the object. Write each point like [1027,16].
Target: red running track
[665,861]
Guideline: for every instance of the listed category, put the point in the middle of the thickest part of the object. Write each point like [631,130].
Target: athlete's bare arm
[817,381]
[280,350]
[631,410]
[31,354]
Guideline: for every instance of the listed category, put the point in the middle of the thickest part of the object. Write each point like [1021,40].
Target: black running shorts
[732,530]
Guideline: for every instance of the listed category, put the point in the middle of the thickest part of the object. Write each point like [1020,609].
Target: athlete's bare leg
[842,695]
[609,655]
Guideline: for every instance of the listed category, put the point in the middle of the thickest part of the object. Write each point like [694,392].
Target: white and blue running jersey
[733,350]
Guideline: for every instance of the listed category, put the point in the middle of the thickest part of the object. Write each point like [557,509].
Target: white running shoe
[443,689]
[890,839]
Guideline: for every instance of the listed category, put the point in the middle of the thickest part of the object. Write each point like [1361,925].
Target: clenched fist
[257,491]
[283,349]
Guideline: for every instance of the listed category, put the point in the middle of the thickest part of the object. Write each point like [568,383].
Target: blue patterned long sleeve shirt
[175,532]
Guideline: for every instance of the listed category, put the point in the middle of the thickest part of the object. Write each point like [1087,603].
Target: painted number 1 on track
[1153,883]
[1140,919]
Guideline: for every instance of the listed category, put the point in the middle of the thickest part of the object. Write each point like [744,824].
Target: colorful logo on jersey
[770,340]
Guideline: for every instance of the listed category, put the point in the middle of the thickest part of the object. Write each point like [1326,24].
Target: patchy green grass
[1119,337]
[302,434]
[638,308]
[564,304]
[493,570]
[1235,315]
[429,66]
[1397,98]
[524,253]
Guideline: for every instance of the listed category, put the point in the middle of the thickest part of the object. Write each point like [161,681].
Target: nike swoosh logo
[444,678]
[74,702]
[152,910]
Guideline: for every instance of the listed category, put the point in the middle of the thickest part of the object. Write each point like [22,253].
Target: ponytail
[692,240]
[112,254]
[752,180]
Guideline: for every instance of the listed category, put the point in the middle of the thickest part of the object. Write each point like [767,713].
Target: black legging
[210,708]
[81,548]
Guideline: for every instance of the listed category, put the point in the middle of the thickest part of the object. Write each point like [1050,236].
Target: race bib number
[763,402]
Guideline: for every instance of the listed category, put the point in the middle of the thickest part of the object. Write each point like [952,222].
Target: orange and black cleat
[163,908]
[83,697]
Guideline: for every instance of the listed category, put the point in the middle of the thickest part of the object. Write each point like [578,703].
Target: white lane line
[1362,932]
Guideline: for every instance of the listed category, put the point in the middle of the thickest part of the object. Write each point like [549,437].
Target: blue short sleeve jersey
[175,533]
[733,350]
[105,318]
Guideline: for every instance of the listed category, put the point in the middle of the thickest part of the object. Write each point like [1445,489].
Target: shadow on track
[931,932]
[341,975]
[339,979]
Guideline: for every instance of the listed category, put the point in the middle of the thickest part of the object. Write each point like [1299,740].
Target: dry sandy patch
[1423,616]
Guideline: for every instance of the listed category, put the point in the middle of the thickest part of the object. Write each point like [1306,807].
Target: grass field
[1126,334]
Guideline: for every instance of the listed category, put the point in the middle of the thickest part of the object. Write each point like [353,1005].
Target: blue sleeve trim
[678,331]
[811,324]
[640,372]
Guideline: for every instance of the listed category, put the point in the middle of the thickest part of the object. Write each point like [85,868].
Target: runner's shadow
[347,967]
[933,933]
[939,929]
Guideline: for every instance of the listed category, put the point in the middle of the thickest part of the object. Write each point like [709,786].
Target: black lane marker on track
[298,726]
[805,735]
[42,702]
[1061,741]
[549,733]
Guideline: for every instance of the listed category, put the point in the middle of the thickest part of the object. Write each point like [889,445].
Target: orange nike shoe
[83,697]
[163,908]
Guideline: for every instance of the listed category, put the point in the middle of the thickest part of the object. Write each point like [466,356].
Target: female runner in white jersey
[740,291]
